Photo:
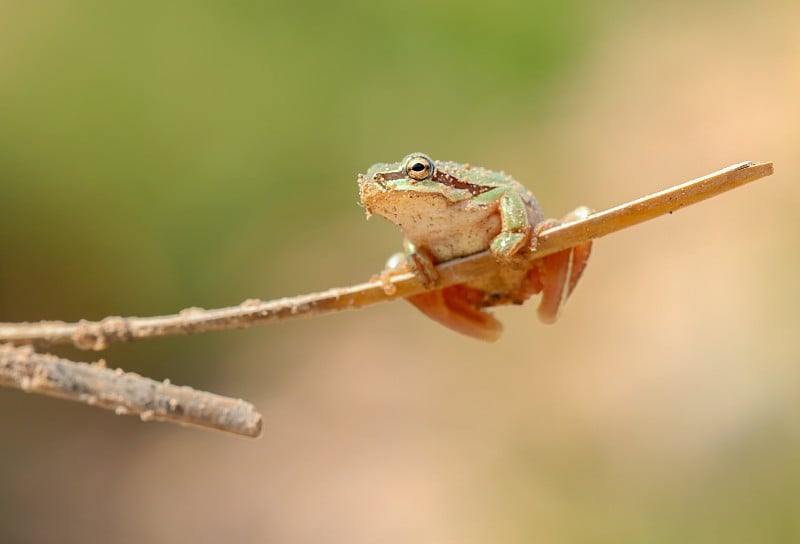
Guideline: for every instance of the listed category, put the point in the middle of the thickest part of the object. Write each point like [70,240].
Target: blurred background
[155,156]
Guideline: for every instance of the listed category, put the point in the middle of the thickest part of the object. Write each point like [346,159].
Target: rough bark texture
[125,393]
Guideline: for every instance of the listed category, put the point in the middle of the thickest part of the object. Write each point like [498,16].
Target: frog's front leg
[556,275]
[515,224]
[419,261]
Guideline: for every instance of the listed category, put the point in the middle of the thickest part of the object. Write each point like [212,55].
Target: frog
[447,210]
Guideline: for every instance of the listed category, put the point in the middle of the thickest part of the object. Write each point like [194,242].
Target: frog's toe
[579,213]
[397,263]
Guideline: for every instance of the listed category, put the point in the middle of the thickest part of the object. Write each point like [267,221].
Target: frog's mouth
[368,188]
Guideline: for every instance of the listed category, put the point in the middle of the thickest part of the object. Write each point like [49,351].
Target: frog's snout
[368,179]
[364,191]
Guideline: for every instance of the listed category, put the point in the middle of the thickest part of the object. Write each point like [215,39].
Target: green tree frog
[448,210]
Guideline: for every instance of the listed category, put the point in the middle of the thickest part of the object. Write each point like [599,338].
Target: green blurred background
[155,156]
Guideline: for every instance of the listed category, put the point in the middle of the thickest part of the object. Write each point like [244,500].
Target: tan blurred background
[154,157]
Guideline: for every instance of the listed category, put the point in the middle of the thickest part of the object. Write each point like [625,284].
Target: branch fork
[23,368]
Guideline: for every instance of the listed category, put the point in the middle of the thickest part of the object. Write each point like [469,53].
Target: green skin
[455,212]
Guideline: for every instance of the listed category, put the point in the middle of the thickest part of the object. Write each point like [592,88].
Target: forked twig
[128,393]
[124,392]
[98,335]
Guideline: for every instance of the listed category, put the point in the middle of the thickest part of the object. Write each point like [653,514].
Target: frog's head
[389,188]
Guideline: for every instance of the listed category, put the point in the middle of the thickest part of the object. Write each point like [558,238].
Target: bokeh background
[155,156]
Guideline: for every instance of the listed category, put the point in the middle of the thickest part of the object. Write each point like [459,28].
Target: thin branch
[98,335]
[124,392]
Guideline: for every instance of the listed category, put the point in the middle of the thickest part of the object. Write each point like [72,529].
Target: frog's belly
[450,229]
[508,286]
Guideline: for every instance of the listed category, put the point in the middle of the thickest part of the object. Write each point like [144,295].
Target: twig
[99,334]
[124,392]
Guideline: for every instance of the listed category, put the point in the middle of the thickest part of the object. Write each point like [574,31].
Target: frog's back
[475,175]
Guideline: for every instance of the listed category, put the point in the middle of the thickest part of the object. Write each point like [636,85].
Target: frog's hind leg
[556,275]
[458,308]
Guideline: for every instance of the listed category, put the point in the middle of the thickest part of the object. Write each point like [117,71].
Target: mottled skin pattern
[448,210]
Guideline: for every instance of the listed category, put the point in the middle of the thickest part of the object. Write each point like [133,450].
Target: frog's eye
[419,167]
